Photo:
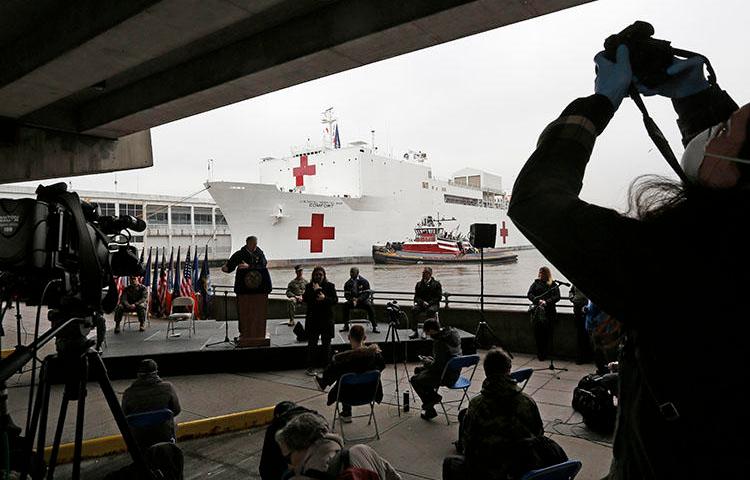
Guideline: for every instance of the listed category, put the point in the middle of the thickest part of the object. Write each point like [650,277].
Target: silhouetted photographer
[644,267]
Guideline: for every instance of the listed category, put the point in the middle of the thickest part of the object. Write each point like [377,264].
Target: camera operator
[673,422]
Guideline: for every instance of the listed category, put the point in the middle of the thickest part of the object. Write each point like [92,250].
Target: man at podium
[252,284]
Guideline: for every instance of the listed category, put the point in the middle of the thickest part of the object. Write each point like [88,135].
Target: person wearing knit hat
[149,393]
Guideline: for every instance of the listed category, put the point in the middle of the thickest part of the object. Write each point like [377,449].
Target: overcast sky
[476,102]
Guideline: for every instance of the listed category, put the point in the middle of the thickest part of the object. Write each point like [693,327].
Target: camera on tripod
[58,242]
[395,313]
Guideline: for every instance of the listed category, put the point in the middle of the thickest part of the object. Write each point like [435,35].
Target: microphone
[561,283]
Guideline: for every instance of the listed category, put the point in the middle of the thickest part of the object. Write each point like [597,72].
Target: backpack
[594,401]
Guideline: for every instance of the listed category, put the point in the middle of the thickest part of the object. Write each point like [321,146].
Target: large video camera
[395,313]
[62,245]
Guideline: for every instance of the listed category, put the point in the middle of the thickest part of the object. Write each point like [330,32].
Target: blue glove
[686,78]
[613,79]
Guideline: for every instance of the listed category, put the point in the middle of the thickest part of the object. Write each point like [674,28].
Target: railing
[406,298]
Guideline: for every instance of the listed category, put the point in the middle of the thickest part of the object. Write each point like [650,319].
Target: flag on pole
[163,284]
[204,286]
[155,299]
[147,271]
[177,276]
[196,268]
[336,139]
[168,286]
[186,289]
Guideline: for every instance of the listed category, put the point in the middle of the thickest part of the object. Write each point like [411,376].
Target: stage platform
[184,355]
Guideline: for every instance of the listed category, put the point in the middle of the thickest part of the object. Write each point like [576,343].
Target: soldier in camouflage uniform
[499,422]
[294,292]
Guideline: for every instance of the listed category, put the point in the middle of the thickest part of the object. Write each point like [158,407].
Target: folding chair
[152,427]
[353,391]
[174,317]
[362,320]
[463,383]
[562,471]
[522,375]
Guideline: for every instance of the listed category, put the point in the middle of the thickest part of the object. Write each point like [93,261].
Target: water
[508,279]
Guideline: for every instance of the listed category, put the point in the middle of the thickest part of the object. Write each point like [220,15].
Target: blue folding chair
[152,427]
[457,364]
[522,375]
[356,389]
[562,471]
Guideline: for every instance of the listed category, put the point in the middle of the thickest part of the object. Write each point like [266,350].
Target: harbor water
[507,279]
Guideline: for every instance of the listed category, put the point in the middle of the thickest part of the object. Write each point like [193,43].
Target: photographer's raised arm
[587,243]
[702,110]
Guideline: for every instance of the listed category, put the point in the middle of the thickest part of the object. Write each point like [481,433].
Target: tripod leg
[119,416]
[58,436]
[44,392]
[78,445]
[33,424]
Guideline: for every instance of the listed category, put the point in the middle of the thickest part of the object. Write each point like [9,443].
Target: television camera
[59,251]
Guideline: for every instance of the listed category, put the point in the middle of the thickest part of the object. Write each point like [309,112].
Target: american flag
[186,287]
[163,284]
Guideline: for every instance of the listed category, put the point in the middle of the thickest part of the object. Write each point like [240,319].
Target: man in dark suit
[358,295]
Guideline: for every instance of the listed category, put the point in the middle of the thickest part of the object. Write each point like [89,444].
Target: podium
[252,309]
[252,286]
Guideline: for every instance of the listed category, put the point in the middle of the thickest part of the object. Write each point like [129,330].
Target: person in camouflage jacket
[498,425]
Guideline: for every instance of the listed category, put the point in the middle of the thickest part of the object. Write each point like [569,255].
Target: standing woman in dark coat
[544,293]
[320,296]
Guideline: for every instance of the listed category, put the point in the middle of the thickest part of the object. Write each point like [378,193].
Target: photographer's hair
[497,362]
[431,324]
[357,333]
[650,196]
[251,238]
[546,275]
[302,431]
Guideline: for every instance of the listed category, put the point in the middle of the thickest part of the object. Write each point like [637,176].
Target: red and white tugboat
[433,244]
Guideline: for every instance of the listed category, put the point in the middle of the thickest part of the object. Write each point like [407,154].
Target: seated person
[273,465]
[427,295]
[133,299]
[446,344]
[294,292]
[146,394]
[312,452]
[361,358]
[498,430]
[357,294]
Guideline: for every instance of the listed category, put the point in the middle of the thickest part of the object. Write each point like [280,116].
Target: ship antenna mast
[328,120]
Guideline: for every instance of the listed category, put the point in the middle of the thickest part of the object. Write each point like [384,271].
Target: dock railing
[466,300]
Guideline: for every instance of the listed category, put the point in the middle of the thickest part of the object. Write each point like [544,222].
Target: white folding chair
[178,316]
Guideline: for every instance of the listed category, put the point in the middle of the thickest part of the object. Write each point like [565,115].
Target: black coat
[430,292]
[363,289]
[676,281]
[353,361]
[319,316]
[539,290]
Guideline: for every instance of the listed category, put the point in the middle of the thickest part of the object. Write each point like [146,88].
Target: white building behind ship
[171,221]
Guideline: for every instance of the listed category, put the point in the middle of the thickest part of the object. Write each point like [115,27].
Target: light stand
[392,336]
[483,327]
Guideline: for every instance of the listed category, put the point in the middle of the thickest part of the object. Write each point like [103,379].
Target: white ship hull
[366,199]
[253,209]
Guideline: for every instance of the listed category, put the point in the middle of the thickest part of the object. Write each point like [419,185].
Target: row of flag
[167,281]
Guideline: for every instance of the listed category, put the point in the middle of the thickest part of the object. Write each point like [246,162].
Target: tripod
[392,336]
[75,362]
[551,367]
[226,324]
[483,327]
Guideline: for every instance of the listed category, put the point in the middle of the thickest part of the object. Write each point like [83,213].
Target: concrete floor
[415,447]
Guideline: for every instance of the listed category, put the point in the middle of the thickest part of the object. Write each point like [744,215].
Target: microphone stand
[551,367]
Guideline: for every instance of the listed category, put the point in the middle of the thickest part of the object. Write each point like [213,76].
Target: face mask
[695,152]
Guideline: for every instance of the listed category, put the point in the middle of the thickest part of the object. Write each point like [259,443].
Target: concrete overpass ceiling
[110,68]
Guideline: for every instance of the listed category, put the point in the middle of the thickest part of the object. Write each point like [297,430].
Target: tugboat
[433,244]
